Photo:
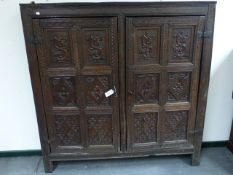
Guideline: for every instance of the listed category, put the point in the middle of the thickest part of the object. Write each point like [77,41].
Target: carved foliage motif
[178,86]
[175,125]
[67,129]
[96,87]
[147,44]
[60,47]
[63,91]
[147,88]
[96,47]
[145,127]
[100,130]
[181,44]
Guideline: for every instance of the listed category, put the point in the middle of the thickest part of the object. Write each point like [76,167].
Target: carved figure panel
[178,86]
[145,127]
[181,45]
[59,43]
[96,86]
[100,130]
[95,46]
[175,125]
[147,45]
[67,130]
[63,91]
[147,88]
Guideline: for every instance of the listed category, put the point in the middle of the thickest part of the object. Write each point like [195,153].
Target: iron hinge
[206,34]
[196,131]
[35,40]
[48,141]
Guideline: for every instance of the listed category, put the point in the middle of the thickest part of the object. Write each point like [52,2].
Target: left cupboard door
[78,63]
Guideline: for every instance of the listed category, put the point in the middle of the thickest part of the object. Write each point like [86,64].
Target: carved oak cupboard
[114,80]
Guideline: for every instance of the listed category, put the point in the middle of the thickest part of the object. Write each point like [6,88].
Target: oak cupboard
[152,59]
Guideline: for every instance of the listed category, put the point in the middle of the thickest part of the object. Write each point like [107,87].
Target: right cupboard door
[162,75]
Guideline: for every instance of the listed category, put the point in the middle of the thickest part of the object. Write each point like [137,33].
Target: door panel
[78,60]
[162,80]
[181,40]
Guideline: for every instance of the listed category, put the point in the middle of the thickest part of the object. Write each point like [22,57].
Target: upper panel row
[88,42]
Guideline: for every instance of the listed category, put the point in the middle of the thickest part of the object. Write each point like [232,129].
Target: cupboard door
[162,74]
[78,61]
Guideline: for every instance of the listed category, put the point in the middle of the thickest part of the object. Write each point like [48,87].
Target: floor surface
[214,161]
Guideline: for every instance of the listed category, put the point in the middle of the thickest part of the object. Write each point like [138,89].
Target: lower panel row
[101,131]
[151,128]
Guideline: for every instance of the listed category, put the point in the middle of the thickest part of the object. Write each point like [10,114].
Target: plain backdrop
[18,126]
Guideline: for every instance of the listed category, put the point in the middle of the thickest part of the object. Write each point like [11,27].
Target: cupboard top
[115,4]
[116,8]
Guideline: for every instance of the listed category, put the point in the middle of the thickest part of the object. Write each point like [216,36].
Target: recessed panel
[59,51]
[175,125]
[95,88]
[63,91]
[100,130]
[146,88]
[95,46]
[145,127]
[181,44]
[147,45]
[67,130]
[178,86]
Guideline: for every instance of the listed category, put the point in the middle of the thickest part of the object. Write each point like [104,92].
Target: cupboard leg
[196,158]
[48,165]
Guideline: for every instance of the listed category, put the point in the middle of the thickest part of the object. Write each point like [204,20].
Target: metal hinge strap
[205,34]
[48,141]
[34,40]
[196,131]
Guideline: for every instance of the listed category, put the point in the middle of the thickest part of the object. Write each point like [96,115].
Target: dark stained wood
[156,55]
[204,84]
[230,142]
[161,101]
[89,46]
[37,91]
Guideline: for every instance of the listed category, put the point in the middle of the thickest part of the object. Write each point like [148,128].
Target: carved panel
[63,91]
[147,88]
[100,130]
[59,44]
[96,86]
[178,86]
[67,130]
[95,46]
[145,127]
[175,125]
[181,44]
[147,45]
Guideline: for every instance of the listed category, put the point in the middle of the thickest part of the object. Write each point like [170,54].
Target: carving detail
[100,130]
[178,86]
[147,88]
[63,91]
[95,50]
[60,47]
[181,45]
[67,130]
[145,127]
[146,45]
[97,86]
[175,126]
